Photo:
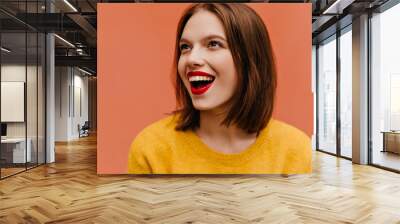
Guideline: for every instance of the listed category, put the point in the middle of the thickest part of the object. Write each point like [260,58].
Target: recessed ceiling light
[337,7]
[64,40]
[84,71]
[5,50]
[71,6]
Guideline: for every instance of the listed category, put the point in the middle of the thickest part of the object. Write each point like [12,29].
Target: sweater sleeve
[137,161]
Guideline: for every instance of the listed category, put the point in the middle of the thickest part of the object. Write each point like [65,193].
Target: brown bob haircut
[251,106]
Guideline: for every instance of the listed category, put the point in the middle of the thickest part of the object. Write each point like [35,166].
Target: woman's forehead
[202,25]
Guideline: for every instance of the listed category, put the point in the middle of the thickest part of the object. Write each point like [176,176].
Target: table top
[391,132]
[13,140]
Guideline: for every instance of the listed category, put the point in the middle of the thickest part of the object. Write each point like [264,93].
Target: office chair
[84,130]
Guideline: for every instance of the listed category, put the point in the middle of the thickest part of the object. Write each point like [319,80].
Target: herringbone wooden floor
[70,191]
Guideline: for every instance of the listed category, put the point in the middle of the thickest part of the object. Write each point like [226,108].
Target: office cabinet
[391,142]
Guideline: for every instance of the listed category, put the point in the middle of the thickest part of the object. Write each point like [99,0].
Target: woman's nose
[195,57]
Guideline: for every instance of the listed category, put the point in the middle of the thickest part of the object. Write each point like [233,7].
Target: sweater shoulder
[280,129]
[163,125]
[157,133]
[297,146]
[292,137]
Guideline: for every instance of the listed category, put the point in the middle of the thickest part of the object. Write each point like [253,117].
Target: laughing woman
[225,89]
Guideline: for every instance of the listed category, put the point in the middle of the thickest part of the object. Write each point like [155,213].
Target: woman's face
[206,65]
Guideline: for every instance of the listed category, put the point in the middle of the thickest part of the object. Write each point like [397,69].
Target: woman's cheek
[180,71]
[182,76]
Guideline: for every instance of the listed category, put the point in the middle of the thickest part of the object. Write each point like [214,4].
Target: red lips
[198,90]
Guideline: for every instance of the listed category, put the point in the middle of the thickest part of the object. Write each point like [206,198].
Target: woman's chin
[207,105]
[209,108]
[202,107]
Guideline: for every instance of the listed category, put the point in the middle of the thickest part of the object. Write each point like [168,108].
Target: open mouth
[200,82]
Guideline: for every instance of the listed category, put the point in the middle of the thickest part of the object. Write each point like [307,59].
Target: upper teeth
[200,78]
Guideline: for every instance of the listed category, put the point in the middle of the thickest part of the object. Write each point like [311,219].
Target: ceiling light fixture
[64,40]
[5,50]
[337,7]
[70,5]
[79,51]
[333,6]
[84,71]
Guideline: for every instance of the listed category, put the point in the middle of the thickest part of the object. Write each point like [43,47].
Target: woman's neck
[220,137]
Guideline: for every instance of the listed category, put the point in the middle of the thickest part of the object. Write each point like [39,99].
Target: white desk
[18,150]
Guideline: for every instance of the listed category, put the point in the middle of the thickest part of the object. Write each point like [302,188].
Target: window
[346,92]
[327,95]
[385,88]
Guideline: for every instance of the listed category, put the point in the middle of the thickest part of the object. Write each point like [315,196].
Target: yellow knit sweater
[159,149]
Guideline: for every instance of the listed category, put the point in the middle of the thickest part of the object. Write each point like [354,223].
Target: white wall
[16,73]
[81,102]
[71,93]
[61,103]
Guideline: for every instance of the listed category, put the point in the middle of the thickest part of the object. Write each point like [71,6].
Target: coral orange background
[135,54]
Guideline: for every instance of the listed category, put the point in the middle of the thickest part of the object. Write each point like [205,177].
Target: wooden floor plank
[70,191]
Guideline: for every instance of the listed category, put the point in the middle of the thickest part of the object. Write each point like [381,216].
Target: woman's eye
[183,47]
[214,44]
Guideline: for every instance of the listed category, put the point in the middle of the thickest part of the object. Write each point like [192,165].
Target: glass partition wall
[13,89]
[385,89]
[327,95]
[345,62]
[334,81]
[22,88]
[334,97]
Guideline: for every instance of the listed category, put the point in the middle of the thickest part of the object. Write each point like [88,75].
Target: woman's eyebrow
[183,40]
[212,36]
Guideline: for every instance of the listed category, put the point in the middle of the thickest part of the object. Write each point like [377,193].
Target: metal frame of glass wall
[34,90]
[335,37]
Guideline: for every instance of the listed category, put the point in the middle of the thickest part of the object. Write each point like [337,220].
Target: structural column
[50,92]
[360,90]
